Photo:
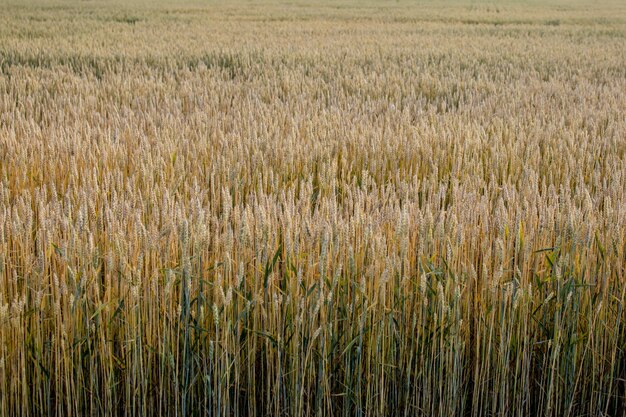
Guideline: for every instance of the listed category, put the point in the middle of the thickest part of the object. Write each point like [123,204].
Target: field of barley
[289,208]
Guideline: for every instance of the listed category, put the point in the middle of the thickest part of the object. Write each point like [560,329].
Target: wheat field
[381,208]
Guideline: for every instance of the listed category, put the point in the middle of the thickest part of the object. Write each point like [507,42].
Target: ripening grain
[381,209]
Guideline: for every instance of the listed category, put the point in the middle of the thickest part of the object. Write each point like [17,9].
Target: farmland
[333,209]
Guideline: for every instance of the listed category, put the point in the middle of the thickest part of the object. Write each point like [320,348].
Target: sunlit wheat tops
[312,210]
